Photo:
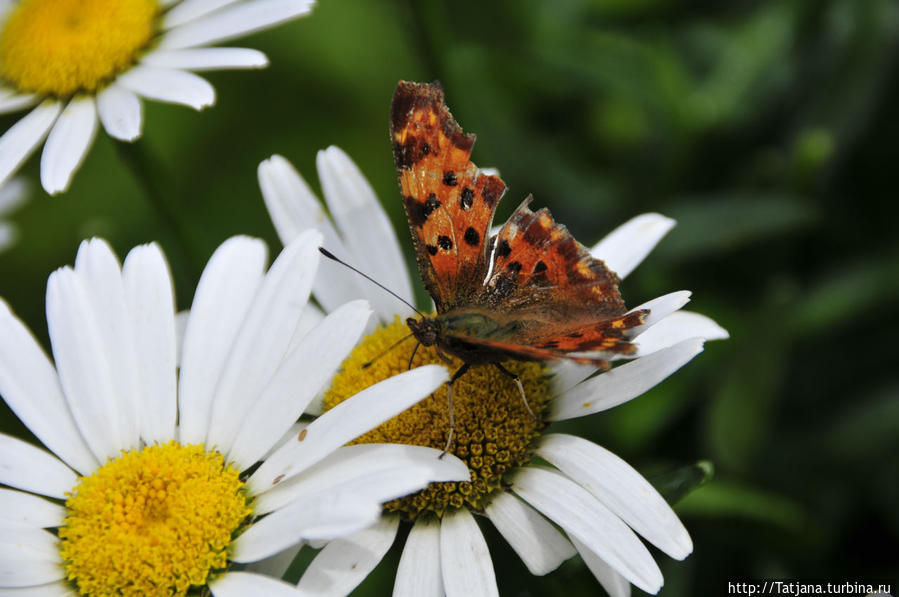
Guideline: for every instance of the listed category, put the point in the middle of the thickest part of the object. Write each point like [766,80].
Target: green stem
[147,171]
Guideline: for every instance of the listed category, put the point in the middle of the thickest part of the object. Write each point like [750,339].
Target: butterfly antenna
[391,347]
[332,257]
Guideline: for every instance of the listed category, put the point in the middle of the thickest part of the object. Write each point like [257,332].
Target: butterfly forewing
[449,202]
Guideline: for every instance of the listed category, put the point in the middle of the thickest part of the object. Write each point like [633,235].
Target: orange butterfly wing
[449,202]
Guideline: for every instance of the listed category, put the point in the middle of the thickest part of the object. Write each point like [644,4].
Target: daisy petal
[465,559]
[20,509]
[101,275]
[614,584]
[624,382]
[12,195]
[29,557]
[347,421]
[15,102]
[84,372]
[540,546]
[347,464]
[67,144]
[32,469]
[151,302]
[30,386]
[277,565]
[583,517]
[300,376]
[264,336]
[199,59]
[677,327]
[189,10]
[235,21]
[620,488]
[344,563]
[319,516]
[293,208]
[659,308]
[168,85]
[366,230]
[59,588]
[23,137]
[624,248]
[240,584]
[419,574]
[8,235]
[224,294]
[120,112]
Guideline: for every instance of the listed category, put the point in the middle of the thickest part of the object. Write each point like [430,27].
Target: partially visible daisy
[588,501]
[12,194]
[76,62]
[148,489]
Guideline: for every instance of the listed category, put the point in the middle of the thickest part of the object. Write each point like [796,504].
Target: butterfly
[530,292]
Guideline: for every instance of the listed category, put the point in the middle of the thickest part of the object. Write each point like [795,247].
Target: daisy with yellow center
[163,475]
[584,500]
[81,62]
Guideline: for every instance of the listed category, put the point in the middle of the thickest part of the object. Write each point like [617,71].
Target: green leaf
[723,499]
[676,484]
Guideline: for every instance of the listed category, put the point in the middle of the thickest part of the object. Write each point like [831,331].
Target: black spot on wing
[472,237]
[432,249]
[466,199]
[445,242]
[449,178]
[503,249]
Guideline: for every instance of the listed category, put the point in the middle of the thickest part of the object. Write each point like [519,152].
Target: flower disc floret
[157,521]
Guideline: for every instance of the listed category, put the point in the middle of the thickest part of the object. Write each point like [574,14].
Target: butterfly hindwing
[449,203]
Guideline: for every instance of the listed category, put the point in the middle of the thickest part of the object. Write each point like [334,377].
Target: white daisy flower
[589,502]
[153,486]
[75,63]
[12,194]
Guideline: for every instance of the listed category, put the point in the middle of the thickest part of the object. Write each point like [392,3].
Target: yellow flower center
[152,522]
[59,47]
[493,432]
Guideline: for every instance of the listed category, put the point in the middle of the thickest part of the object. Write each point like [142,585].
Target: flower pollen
[493,433]
[60,47]
[152,522]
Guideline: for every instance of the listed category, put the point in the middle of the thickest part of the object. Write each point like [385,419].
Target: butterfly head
[426,330]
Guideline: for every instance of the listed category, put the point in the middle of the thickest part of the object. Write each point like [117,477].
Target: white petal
[224,294]
[32,469]
[101,275]
[623,382]
[23,137]
[30,386]
[583,517]
[419,574]
[677,327]
[278,564]
[59,588]
[350,463]
[624,248]
[8,235]
[84,372]
[540,546]
[15,102]
[240,584]
[319,516]
[301,375]
[181,318]
[366,231]
[235,21]
[293,208]
[347,421]
[465,560]
[261,343]
[660,308]
[28,511]
[12,195]
[168,85]
[69,140]
[151,304]
[344,563]
[199,59]
[121,112]
[614,584]
[189,10]
[28,558]
[620,488]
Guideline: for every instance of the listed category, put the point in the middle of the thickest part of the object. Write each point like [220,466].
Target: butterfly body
[529,292]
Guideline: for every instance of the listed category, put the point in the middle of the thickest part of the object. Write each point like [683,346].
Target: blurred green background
[766,128]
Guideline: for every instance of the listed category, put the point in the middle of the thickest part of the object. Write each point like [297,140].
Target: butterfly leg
[517,381]
[449,401]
